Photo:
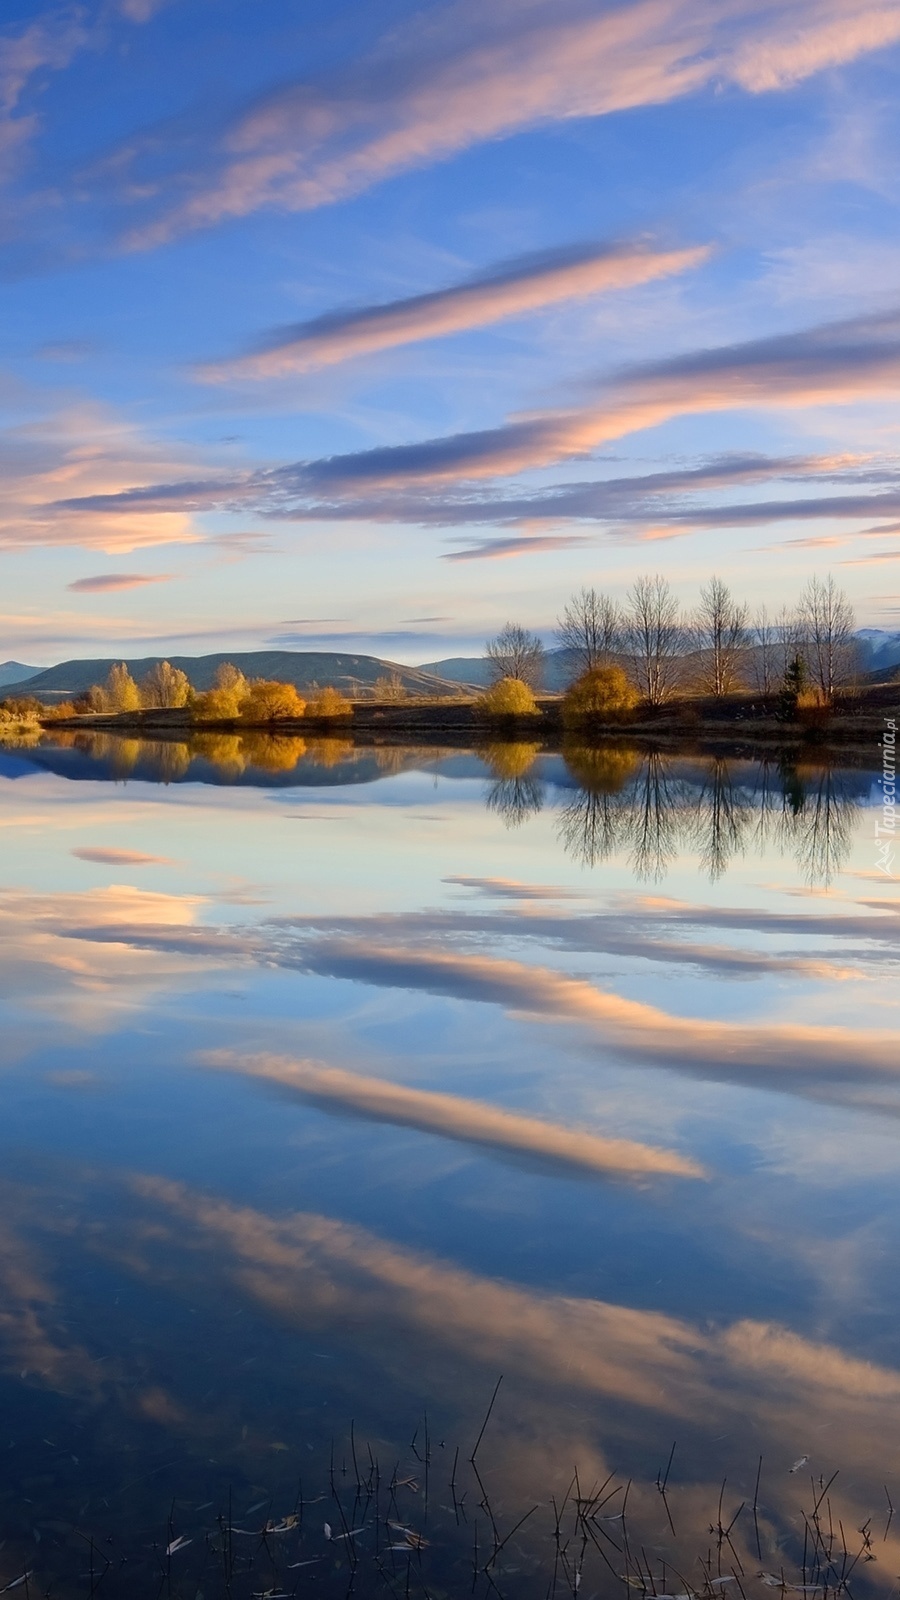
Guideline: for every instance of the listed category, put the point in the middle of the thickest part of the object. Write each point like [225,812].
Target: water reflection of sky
[335,1099]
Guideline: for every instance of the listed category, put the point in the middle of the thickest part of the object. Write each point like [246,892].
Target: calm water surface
[338,1084]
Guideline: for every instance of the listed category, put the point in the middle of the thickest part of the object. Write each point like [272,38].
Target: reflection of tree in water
[225,751]
[723,814]
[658,800]
[590,823]
[514,794]
[272,752]
[170,759]
[627,801]
[329,752]
[821,829]
[121,754]
[391,759]
[640,804]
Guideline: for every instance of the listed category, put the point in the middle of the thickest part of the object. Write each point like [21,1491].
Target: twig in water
[487,1418]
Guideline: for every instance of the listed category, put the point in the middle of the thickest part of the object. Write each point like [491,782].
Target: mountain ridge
[304,668]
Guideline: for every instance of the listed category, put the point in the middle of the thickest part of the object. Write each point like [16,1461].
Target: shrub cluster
[232,698]
[510,697]
[602,694]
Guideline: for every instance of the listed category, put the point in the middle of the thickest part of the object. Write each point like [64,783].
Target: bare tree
[765,661]
[390,687]
[827,622]
[720,634]
[653,637]
[516,653]
[590,629]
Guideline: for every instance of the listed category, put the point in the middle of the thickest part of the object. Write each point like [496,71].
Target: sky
[374,327]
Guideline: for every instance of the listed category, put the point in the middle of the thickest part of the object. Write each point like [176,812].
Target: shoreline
[851,727]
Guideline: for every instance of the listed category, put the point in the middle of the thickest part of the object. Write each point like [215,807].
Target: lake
[442,1172]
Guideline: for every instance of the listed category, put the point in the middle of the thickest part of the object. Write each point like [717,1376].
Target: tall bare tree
[590,629]
[720,635]
[653,637]
[827,622]
[765,661]
[516,653]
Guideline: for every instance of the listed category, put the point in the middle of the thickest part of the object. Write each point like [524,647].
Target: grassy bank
[854,722]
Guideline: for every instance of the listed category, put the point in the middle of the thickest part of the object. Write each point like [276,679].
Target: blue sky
[374,328]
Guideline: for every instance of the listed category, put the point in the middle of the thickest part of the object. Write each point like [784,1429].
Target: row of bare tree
[716,649]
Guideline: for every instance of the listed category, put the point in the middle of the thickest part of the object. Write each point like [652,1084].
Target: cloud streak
[106,582]
[451,1117]
[119,858]
[436,482]
[463,75]
[87,454]
[525,285]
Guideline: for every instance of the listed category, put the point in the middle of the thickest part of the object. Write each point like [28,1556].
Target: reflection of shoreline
[619,798]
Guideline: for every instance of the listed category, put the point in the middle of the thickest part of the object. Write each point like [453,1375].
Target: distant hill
[474,670]
[471,670]
[16,672]
[879,657]
[880,650]
[304,668]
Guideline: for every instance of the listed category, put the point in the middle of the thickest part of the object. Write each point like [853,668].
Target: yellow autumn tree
[269,701]
[165,687]
[120,691]
[510,697]
[602,694]
[329,702]
[223,702]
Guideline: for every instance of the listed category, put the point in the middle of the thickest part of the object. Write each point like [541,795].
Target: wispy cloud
[828,365]
[86,452]
[414,484]
[453,1117]
[465,74]
[865,561]
[516,545]
[48,42]
[105,581]
[509,290]
[109,857]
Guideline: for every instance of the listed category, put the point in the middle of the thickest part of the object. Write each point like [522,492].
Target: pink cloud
[522,287]
[309,145]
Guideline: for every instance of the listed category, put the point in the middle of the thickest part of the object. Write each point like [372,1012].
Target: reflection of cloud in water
[626,1025]
[512,889]
[584,1378]
[455,1118]
[30,1343]
[314,1271]
[84,955]
[373,956]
